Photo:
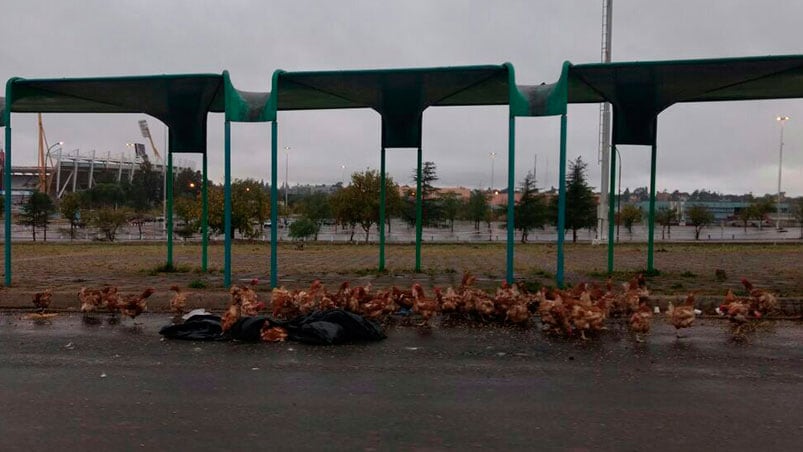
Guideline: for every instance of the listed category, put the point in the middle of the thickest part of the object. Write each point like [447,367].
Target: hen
[681,316]
[90,299]
[134,305]
[42,300]
[110,299]
[272,333]
[179,301]
[762,301]
[423,306]
[738,312]
[640,321]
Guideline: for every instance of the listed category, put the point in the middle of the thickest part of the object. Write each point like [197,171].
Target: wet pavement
[72,386]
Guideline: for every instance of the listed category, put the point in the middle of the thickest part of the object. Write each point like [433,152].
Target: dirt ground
[66,267]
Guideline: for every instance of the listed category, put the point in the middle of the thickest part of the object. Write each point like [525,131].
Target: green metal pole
[204,218]
[418,213]
[511,194]
[611,208]
[382,199]
[227,204]
[651,224]
[274,202]
[169,208]
[7,199]
[561,202]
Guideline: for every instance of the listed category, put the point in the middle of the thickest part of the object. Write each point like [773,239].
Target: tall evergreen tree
[581,204]
[531,211]
[430,212]
[36,212]
[477,209]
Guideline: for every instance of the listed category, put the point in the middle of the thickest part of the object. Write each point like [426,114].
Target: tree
[745,214]
[630,215]
[303,228]
[346,214]
[699,217]
[250,204]
[761,207]
[315,207]
[358,203]
[477,209]
[428,176]
[665,217]
[188,184]
[581,205]
[797,211]
[450,205]
[70,207]
[531,211]
[146,188]
[188,211]
[108,220]
[36,212]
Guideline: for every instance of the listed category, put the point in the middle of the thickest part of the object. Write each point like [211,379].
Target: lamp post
[493,158]
[781,120]
[44,182]
[343,175]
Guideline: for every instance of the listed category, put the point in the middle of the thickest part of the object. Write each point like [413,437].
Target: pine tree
[581,204]
[530,211]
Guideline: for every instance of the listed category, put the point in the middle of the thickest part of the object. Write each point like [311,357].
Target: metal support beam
[651,221]
[418,211]
[274,202]
[382,200]
[7,199]
[169,207]
[561,201]
[227,203]
[611,209]
[511,195]
[204,216]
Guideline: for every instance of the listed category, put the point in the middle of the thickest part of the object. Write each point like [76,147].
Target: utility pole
[604,152]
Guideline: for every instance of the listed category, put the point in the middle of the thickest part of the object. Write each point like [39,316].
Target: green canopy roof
[639,91]
[180,101]
[400,96]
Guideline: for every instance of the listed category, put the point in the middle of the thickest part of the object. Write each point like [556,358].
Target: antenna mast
[604,151]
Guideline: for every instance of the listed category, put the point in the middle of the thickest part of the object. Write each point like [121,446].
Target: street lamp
[343,174]
[44,183]
[781,120]
[493,158]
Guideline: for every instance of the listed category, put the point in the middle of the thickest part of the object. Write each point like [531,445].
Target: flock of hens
[578,312]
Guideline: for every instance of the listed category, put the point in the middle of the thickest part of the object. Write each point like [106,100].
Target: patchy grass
[197,284]
[167,268]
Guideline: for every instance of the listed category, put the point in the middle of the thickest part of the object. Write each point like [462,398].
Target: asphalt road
[71,386]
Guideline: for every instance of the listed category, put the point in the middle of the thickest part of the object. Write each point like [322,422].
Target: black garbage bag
[195,328]
[331,327]
[320,328]
[247,329]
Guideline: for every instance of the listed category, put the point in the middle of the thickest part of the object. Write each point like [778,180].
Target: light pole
[493,158]
[44,181]
[343,175]
[781,120]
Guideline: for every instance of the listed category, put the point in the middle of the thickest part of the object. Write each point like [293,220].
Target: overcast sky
[726,147]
